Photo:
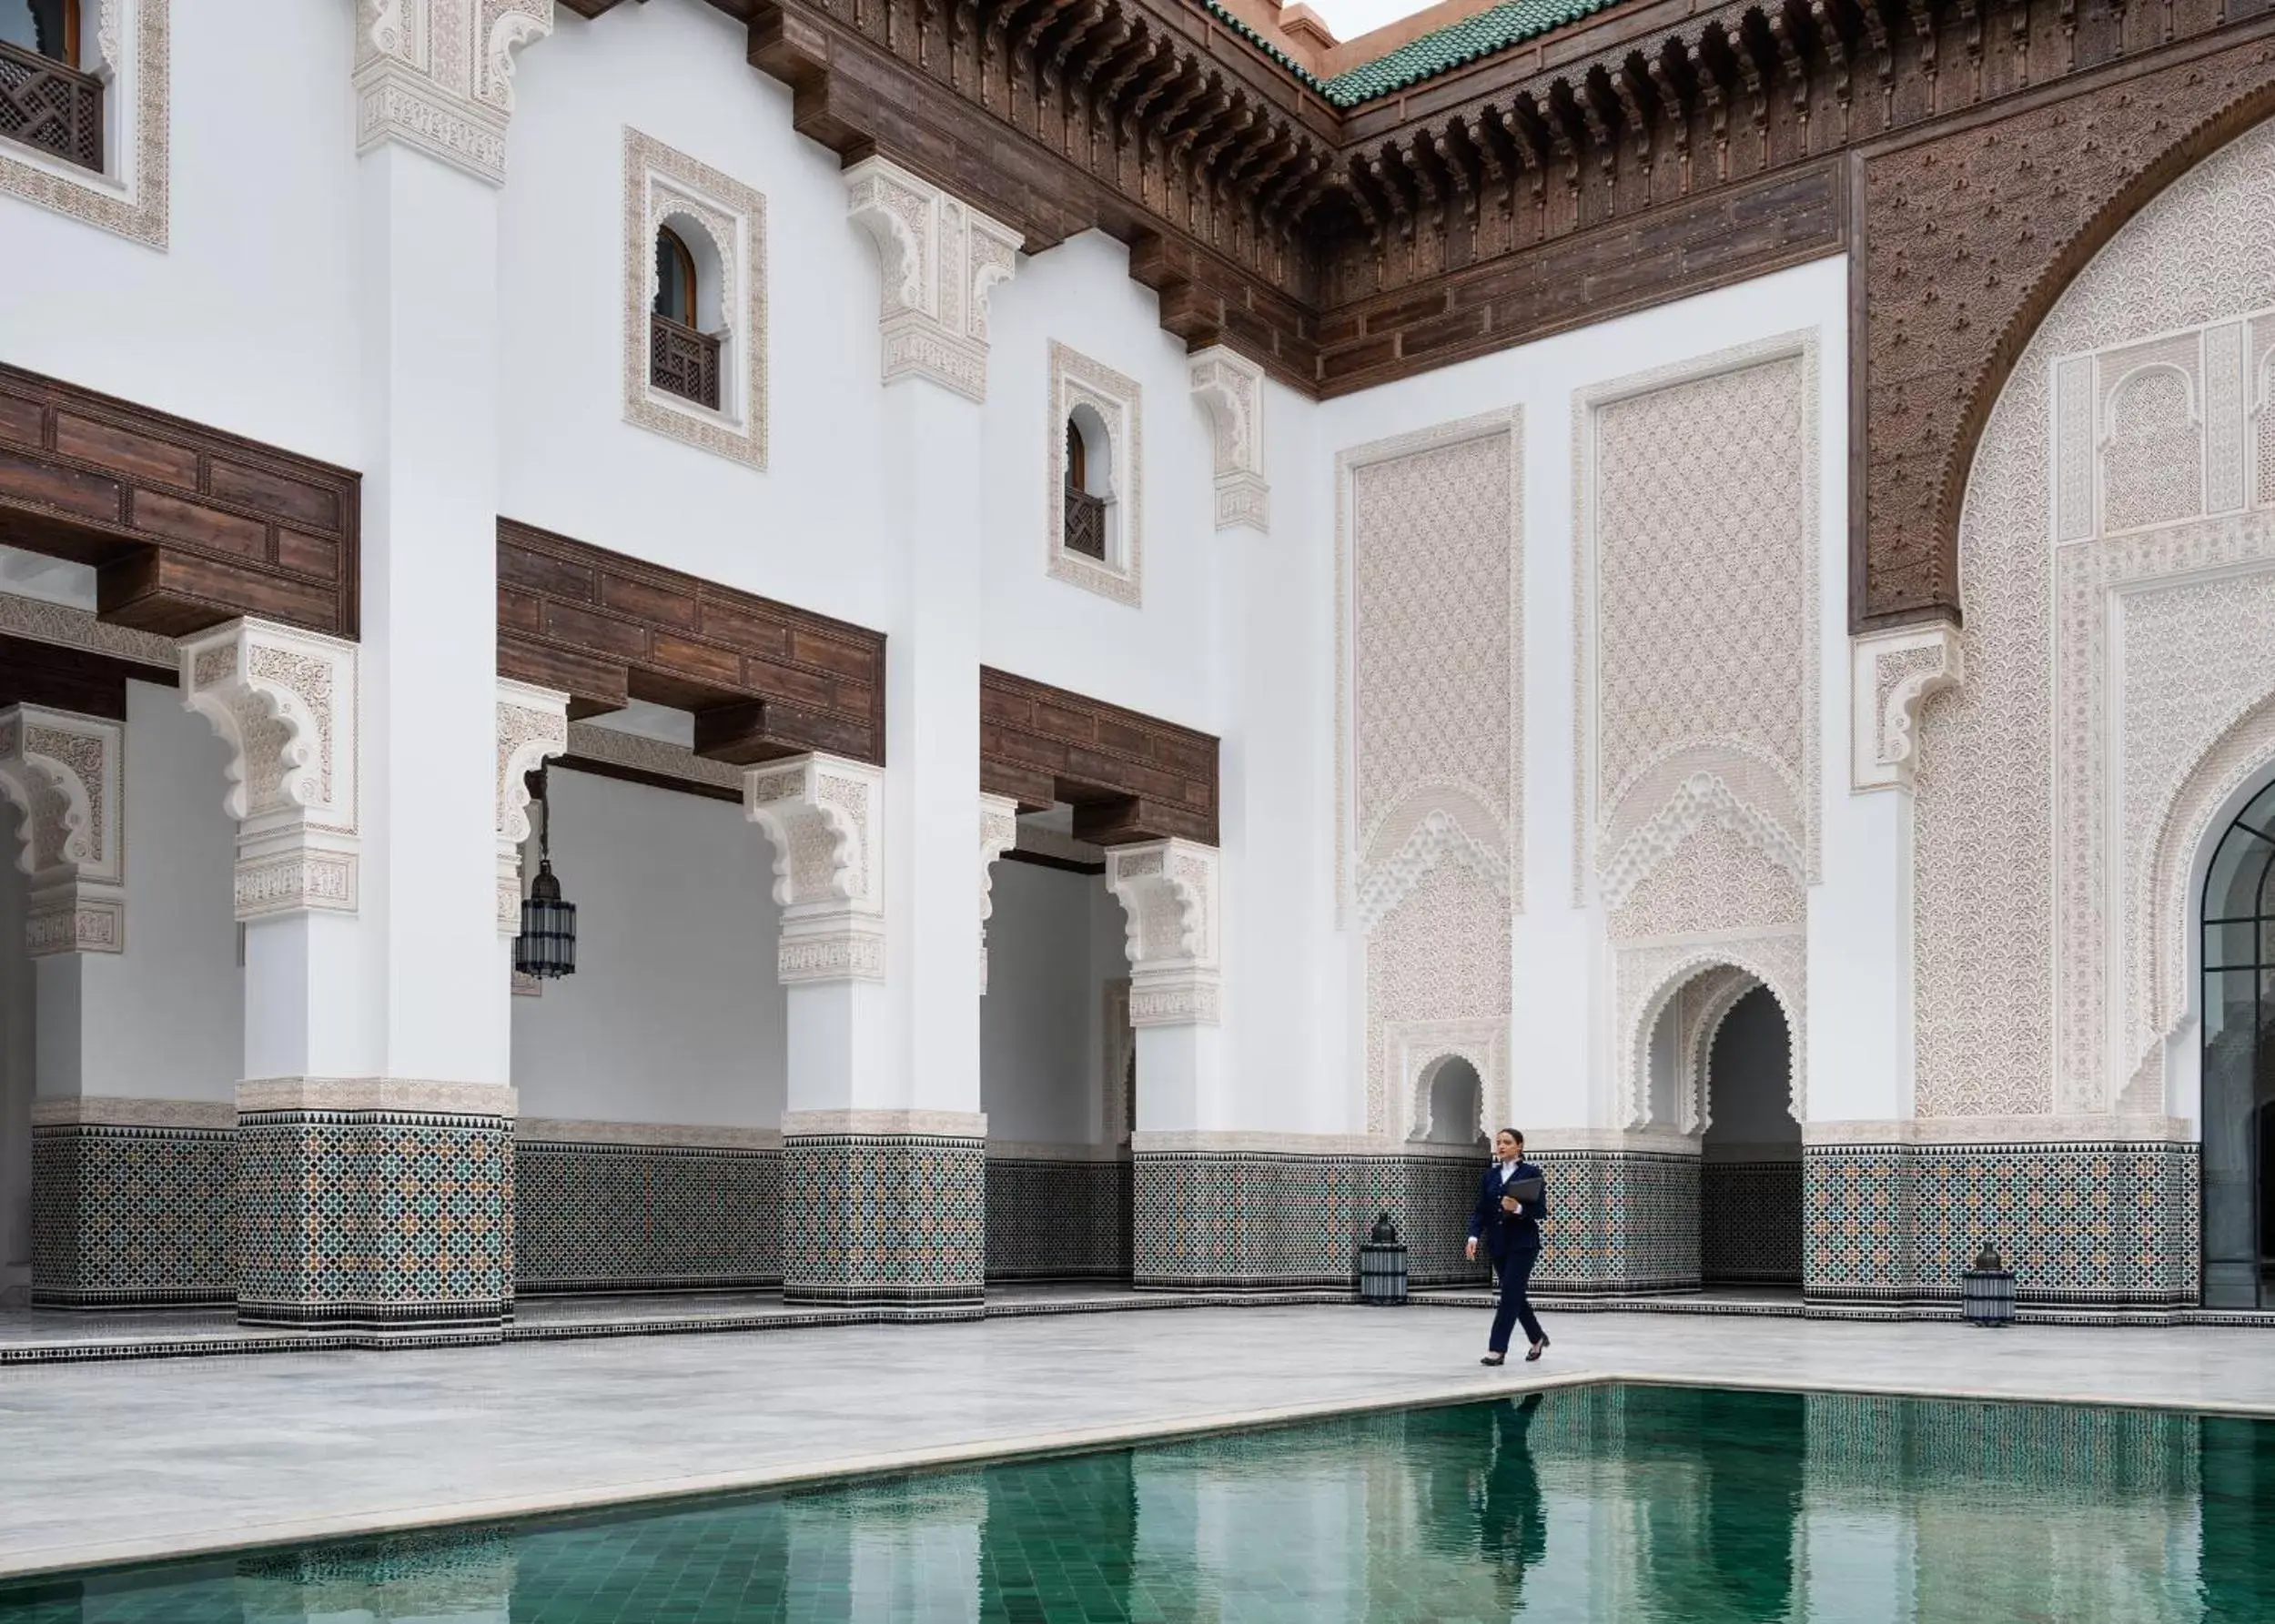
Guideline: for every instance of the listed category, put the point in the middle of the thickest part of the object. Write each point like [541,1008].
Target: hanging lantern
[546,946]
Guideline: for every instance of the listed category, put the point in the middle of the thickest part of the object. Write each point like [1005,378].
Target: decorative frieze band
[284,702]
[925,1124]
[1230,389]
[438,74]
[110,1111]
[64,773]
[824,818]
[1167,889]
[939,258]
[533,724]
[2005,1130]
[657,1136]
[1893,676]
[257,1095]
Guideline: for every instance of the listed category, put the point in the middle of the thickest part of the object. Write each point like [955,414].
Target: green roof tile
[1494,29]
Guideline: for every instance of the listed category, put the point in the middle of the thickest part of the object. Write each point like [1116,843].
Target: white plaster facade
[455,328]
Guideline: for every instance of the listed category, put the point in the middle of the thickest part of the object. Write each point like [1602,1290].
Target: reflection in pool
[1598,1504]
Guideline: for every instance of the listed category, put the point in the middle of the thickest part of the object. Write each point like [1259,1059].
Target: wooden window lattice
[1085,524]
[682,361]
[55,109]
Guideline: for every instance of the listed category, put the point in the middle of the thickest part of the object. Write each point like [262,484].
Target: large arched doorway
[2238,1060]
[1749,1186]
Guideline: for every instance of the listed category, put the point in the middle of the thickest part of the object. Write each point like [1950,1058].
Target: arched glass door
[2240,1060]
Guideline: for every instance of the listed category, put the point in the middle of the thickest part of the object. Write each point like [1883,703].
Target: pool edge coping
[55,1561]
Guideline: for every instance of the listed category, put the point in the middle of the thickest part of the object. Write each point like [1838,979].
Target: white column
[434,84]
[938,258]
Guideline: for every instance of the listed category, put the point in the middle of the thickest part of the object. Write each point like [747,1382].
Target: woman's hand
[1510,1204]
[1470,1250]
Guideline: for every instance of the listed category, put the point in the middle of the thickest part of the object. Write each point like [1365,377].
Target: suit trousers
[1515,1267]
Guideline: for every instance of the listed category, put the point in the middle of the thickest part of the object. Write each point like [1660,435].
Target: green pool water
[1611,1504]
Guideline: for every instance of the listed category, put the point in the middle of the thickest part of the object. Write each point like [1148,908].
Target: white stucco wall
[674,1014]
[1053,940]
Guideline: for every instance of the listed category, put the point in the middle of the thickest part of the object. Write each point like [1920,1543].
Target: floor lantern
[546,946]
[1382,1266]
[1986,1291]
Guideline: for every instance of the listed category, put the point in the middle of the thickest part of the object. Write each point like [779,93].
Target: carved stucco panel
[2018,831]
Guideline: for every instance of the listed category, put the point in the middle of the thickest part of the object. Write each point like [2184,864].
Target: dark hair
[1514,1134]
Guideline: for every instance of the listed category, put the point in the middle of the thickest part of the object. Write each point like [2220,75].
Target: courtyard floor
[109,1462]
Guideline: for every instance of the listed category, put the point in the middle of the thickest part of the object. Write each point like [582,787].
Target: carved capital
[939,259]
[438,74]
[1230,390]
[998,831]
[823,815]
[1168,891]
[285,701]
[533,724]
[64,774]
[1893,675]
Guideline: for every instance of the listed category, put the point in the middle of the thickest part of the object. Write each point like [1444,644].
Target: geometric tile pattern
[883,1218]
[1259,1221]
[374,1219]
[1618,1221]
[1867,1441]
[1749,1223]
[1058,1220]
[644,1217]
[129,1216]
[2094,1225]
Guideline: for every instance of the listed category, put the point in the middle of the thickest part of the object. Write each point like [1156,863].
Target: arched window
[45,100]
[682,360]
[49,27]
[1457,1102]
[2239,1090]
[1089,464]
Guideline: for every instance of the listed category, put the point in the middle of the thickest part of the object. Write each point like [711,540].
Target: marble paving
[127,1461]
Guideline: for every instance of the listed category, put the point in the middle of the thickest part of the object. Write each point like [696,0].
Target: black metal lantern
[546,946]
[1382,1266]
[1986,1291]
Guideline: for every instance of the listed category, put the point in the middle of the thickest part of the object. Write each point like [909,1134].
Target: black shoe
[1537,1349]
[1493,1358]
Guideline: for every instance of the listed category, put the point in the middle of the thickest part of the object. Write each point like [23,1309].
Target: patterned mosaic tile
[374,1219]
[1620,1221]
[2094,1225]
[1050,1220]
[130,1215]
[641,1217]
[883,1218]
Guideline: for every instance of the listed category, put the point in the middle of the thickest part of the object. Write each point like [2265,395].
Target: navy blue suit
[1512,1240]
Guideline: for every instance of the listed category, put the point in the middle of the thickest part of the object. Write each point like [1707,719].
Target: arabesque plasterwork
[132,198]
[661,185]
[1696,524]
[438,74]
[939,259]
[824,816]
[1647,977]
[2117,583]
[1428,741]
[64,774]
[285,701]
[1229,388]
[1892,674]
[1168,893]
[1414,1050]
[533,724]
[999,833]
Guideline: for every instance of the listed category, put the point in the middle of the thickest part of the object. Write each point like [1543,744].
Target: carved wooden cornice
[1652,150]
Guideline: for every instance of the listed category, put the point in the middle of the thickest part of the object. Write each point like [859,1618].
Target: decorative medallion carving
[824,817]
[285,701]
[533,724]
[1892,676]
[438,74]
[1169,892]
[65,775]
[998,831]
[1230,390]
[939,259]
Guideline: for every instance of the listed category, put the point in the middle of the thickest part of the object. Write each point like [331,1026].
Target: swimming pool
[1604,1504]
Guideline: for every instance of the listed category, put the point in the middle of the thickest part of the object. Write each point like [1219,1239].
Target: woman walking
[1511,1200]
